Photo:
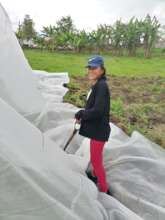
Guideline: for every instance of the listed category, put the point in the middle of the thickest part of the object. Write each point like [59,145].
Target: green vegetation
[26,30]
[137,87]
[116,66]
[120,37]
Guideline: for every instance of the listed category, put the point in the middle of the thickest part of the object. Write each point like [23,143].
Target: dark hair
[104,70]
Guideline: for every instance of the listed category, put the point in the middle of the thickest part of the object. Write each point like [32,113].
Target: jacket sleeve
[97,110]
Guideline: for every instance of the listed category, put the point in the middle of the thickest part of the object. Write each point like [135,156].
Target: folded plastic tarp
[17,83]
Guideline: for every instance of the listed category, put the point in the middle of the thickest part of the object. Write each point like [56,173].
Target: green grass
[116,66]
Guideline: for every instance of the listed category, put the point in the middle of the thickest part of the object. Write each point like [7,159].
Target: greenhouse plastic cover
[38,180]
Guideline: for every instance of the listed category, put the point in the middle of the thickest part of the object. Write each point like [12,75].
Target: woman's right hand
[78,121]
[78,114]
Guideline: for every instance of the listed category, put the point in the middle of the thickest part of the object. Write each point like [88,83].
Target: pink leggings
[96,158]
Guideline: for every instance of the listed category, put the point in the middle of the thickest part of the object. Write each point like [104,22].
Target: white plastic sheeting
[38,180]
[17,84]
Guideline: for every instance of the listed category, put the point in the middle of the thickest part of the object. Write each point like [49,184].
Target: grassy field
[137,87]
[116,66]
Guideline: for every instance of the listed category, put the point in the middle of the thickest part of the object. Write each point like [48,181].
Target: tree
[101,38]
[132,36]
[19,32]
[65,25]
[65,30]
[28,31]
[80,40]
[47,37]
[48,31]
[118,40]
[106,36]
[150,28]
[60,35]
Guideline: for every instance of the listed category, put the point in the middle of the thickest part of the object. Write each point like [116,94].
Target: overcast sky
[87,14]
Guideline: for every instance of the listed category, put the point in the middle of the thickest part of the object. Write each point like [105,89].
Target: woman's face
[94,73]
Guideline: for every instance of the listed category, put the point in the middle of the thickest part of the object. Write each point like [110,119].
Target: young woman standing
[94,119]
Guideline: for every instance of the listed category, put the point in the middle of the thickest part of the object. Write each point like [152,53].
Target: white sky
[86,14]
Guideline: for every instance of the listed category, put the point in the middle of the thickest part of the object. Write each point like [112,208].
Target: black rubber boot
[109,192]
[91,177]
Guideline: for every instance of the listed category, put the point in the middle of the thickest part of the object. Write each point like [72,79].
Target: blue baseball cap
[95,61]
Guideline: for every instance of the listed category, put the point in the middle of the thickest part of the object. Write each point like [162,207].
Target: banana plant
[132,36]
[150,28]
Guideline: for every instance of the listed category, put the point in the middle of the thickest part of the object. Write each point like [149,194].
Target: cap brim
[92,65]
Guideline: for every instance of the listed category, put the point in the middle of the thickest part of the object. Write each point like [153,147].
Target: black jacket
[95,117]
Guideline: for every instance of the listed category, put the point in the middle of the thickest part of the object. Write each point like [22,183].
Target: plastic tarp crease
[38,180]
